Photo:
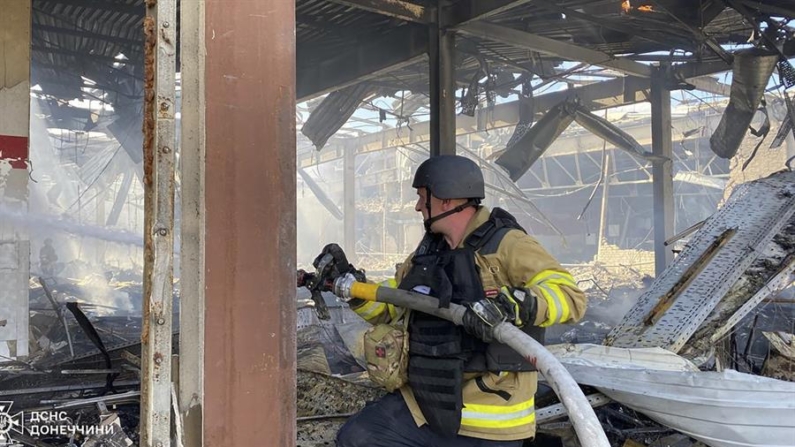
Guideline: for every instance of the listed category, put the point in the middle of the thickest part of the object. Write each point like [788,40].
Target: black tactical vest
[439,351]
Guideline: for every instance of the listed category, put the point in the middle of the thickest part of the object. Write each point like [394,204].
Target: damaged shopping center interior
[167,166]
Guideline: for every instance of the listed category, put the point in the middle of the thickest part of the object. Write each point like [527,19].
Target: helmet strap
[428,222]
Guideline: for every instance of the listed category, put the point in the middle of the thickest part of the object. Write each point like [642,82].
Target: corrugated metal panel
[727,409]
[682,298]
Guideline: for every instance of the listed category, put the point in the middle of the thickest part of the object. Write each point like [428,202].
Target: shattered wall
[747,166]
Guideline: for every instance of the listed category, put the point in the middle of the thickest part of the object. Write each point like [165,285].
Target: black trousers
[388,423]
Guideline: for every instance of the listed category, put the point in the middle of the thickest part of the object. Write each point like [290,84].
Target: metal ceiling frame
[554,47]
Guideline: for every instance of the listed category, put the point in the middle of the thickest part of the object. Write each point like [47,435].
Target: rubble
[84,360]
[325,403]
[332,384]
[611,290]
[117,437]
[658,394]
[780,361]
[776,258]
[749,232]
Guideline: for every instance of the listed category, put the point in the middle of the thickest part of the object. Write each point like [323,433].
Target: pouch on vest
[386,355]
[439,393]
[427,271]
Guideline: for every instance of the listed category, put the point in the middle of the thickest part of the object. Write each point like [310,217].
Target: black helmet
[450,177]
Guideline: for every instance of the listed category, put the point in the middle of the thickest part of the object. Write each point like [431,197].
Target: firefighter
[48,259]
[459,387]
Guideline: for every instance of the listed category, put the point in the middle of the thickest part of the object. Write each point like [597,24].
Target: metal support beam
[619,25]
[711,85]
[121,198]
[601,238]
[626,90]
[783,11]
[662,171]
[465,11]
[117,6]
[441,52]
[190,392]
[399,48]
[554,47]
[616,92]
[697,33]
[159,146]
[697,69]
[320,194]
[410,12]
[349,202]
[250,249]
[79,55]
[83,34]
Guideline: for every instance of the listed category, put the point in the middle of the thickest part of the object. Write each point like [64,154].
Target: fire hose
[586,425]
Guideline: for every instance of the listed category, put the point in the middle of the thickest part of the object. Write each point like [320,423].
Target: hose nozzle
[342,286]
[347,287]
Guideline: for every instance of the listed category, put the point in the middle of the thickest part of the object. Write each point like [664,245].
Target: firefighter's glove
[519,305]
[332,263]
[481,317]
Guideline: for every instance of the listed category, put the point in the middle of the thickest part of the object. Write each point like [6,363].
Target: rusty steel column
[441,54]
[250,249]
[160,57]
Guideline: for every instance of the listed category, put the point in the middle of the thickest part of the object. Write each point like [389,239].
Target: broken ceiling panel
[609,132]
[527,146]
[518,158]
[333,112]
[751,71]
[408,104]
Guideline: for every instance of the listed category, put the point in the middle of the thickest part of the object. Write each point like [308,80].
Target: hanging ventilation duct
[751,70]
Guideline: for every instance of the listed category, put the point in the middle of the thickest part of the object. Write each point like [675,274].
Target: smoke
[611,310]
[47,224]
[72,175]
[315,226]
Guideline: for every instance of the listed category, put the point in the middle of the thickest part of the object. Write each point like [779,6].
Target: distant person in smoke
[48,259]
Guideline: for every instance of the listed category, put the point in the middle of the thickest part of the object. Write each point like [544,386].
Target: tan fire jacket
[520,261]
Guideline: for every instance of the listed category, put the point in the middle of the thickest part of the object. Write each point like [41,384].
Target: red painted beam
[14,149]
